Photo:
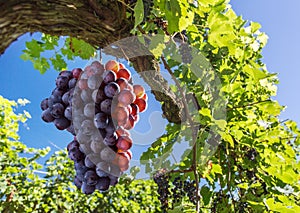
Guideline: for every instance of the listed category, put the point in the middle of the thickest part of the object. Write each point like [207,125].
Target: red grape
[138,90]
[112,65]
[76,72]
[126,97]
[122,82]
[141,103]
[124,73]
[124,143]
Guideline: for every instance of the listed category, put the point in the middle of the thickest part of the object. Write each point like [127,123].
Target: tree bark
[99,23]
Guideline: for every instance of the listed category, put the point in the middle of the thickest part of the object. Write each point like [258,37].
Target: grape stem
[194,133]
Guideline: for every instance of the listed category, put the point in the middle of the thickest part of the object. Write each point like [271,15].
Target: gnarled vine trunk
[99,23]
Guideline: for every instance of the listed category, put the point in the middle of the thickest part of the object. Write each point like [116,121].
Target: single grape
[122,82]
[66,73]
[89,163]
[106,106]
[103,184]
[110,140]
[141,103]
[134,109]
[109,76]
[72,83]
[80,167]
[91,178]
[121,131]
[130,122]
[112,65]
[58,110]
[82,84]
[53,100]
[110,129]
[126,97]
[65,98]
[98,96]
[44,104]
[101,120]
[111,89]
[87,189]
[76,155]
[138,90]
[61,123]
[58,92]
[76,72]
[124,143]
[87,127]
[47,116]
[62,82]
[90,71]
[124,73]
[99,67]
[68,113]
[73,145]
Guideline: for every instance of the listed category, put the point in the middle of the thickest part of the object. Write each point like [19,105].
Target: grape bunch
[172,192]
[100,105]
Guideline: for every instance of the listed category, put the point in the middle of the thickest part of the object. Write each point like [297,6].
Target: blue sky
[279,20]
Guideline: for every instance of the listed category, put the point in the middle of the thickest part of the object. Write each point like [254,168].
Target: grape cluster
[58,107]
[186,53]
[101,106]
[161,178]
[179,188]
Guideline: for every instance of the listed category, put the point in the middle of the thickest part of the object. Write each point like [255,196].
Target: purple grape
[110,129]
[62,82]
[61,123]
[107,154]
[109,76]
[44,104]
[73,145]
[80,167]
[106,106]
[103,184]
[66,73]
[68,113]
[91,178]
[111,89]
[98,96]
[97,108]
[87,189]
[88,162]
[47,116]
[58,92]
[76,155]
[57,110]
[101,120]
[110,140]
[72,83]
[53,99]
[77,182]
[65,98]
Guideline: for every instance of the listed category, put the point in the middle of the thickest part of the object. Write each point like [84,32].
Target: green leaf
[81,48]
[138,13]
[58,62]
[206,194]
